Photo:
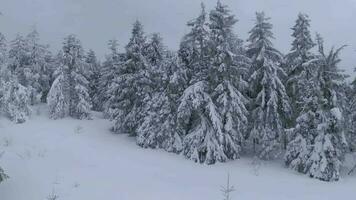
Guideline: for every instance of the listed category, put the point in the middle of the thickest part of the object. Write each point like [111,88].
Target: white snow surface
[83,160]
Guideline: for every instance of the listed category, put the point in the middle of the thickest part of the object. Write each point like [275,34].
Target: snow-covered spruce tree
[298,62]
[94,77]
[193,50]
[304,93]
[108,72]
[4,72]
[211,113]
[225,76]
[302,136]
[330,143]
[319,142]
[69,92]
[193,113]
[131,87]
[270,104]
[40,65]
[159,126]
[3,51]
[19,59]
[14,98]
[352,117]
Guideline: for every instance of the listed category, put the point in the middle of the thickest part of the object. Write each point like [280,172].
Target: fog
[95,22]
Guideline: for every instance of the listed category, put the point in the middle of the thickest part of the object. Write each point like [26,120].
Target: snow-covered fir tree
[159,126]
[94,77]
[30,62]
[319,142]
[19,59]
[302,136]
[330,143]
[352,117]
[109,70]
[225,75]
[3,51]
[193,113]
[193,49]
[298,62]
[212,110]
[270,104]
[132,87]
[4,72]
[40,66]
[304,93]
[14,97]
[69,94]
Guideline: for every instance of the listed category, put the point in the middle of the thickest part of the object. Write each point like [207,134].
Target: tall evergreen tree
[193,49]
[14,97]
[19,60]
[352,116]
[330,144]
[132,85]
[40,66]
[211,113]
[270,104]
[319,143]
[298,65]
[109,71]
[225,75]
[69,92]
[94,77]
[159,126]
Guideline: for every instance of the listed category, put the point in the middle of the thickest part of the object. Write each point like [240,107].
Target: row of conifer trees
[215,99]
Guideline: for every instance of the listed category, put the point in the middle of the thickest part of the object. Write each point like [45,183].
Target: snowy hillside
[83,160]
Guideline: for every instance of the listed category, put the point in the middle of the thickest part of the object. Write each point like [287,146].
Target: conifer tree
[211,113]
[19,59]
[330,143]
[69,92]
[298,65]
[40,66]
[14,97]
[193,49]
[159,126]
[225,75]
[270,104]
[94,77]
[108,72]
[319,142]
[131,87]
[4,72]
[352,117]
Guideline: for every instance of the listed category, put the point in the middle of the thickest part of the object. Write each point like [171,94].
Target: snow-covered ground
[82,160]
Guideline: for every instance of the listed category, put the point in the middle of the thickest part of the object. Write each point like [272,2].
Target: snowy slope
[82,160]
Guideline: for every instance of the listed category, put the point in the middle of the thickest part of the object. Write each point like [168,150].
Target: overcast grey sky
[97,21]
